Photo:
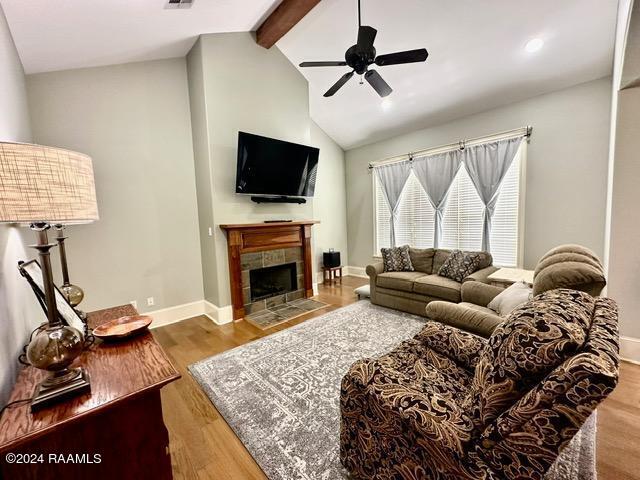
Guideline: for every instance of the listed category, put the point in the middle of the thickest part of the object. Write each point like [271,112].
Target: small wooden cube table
[329,274]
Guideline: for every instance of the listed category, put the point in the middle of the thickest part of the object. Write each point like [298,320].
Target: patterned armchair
[447,404]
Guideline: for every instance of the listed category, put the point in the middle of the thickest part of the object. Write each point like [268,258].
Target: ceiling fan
[363,54]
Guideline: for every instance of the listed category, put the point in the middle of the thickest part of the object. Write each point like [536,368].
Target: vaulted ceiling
[477,60]
[64,34]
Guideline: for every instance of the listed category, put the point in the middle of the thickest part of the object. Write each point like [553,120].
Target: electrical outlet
[134,303]
[150,302]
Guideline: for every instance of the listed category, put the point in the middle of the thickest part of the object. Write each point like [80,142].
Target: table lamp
[73,293]
[42,186]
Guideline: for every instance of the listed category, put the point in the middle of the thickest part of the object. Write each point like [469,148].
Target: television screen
[267,166]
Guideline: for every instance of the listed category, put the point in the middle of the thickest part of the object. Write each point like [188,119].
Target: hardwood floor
[204,447]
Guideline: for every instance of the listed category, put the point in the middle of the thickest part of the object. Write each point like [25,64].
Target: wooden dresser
[120,421]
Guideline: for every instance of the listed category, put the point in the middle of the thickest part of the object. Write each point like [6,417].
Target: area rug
[280,394]
[277,314]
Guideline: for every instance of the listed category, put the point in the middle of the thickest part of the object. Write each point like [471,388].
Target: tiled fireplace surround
[269,258]
[258,245]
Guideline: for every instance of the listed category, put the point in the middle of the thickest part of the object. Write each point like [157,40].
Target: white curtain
[436,174]
[392,179]
[487,164]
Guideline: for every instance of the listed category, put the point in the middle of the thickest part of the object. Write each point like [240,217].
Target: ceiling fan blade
[366,36]
[377,82]
[323,64]
[338,85]
[410,56]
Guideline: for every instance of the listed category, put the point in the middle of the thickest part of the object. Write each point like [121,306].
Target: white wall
[204,193]
[330,201]
[624,242]
[134,121]
[19,310]
[566,168]
[252,89]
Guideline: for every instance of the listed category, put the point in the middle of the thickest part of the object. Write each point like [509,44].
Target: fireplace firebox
[271,281]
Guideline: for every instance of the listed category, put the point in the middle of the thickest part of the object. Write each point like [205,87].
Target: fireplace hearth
[269,282]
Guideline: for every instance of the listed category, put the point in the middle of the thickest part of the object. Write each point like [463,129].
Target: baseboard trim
[356,272]
[630,349]
[218,315]
[177,313]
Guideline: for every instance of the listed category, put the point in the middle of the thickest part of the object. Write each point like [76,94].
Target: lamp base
[50,391]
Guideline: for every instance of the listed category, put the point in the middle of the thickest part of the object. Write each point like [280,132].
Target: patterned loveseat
[450,405]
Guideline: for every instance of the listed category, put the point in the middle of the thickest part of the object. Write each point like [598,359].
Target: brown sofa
[450,405]
[412,291]
[566,266]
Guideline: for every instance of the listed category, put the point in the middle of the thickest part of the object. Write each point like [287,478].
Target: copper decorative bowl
[122,327]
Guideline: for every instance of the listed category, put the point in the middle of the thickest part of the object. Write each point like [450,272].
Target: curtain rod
[460,145]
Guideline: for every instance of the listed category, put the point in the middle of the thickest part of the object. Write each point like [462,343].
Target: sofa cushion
[398,280]
[535,339]
[441,255]
[569,266]
[510,298]
[439,287]
[422,259]
[459,265]
[397,259]
[439,258]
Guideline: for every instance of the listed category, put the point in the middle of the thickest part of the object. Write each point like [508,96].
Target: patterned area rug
[284,312]
[280,394]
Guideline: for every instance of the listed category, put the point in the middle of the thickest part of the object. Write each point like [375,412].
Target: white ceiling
[63,34]
[476,58]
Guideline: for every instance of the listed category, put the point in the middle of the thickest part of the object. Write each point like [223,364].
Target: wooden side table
[505,277]
[116,431]
[329,274]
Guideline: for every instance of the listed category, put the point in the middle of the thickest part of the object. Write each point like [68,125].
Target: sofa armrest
[479,293]
[464,318]
[481,275]
[375,269]
[462,347]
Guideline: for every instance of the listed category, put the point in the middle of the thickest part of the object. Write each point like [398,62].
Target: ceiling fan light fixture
[362,55]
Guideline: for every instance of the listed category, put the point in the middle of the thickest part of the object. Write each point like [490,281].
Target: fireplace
[256,246]
[269,282]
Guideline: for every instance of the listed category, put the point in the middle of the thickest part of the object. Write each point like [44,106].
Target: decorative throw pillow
[460,264]
[397,259]
[510,298]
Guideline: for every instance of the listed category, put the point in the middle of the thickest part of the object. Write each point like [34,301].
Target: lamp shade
[45,184]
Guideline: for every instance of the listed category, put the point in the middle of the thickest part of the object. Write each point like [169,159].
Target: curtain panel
[436,174]
[392,179]
[487,164]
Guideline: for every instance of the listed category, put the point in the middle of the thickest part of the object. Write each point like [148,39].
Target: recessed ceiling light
[534,45]
[386,103]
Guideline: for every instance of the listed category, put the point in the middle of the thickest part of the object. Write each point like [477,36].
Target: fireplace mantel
[258,237]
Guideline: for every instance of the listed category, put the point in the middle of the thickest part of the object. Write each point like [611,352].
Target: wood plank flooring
[204,447]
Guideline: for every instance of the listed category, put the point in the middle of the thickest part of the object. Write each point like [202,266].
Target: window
[414,225]
[462,222]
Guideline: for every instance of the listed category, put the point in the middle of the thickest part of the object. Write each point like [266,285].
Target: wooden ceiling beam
[283,19]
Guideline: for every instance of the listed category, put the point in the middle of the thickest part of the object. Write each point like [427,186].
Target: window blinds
[462,223]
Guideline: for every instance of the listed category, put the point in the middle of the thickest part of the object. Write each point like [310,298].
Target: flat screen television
[270,167]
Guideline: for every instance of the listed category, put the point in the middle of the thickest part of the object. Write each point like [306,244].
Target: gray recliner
[566,266]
